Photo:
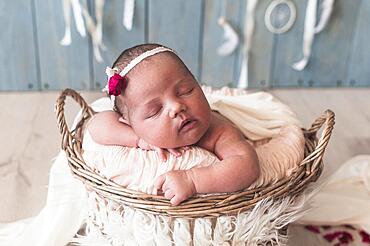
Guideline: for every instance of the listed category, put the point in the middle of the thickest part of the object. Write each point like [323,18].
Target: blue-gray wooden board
[60,66]
[178,25]
[33,59]
[18,69]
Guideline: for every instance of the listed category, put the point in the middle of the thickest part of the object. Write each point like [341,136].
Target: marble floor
[29,138]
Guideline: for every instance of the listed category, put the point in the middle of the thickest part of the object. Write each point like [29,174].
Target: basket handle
[67,136]
[327,118]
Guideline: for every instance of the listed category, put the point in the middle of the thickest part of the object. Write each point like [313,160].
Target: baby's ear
[123,120]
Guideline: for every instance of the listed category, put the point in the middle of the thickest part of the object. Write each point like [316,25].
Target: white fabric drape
[345,198]
[258,115]
[61,216]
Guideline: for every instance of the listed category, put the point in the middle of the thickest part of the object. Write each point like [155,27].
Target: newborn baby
[160,106]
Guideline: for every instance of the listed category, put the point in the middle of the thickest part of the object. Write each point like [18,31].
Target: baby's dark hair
[125,58]
[131,53]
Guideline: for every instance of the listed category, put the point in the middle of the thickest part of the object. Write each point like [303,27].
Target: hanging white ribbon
[77,14]
[128,14]
[230,36]
[327,9]
[308,34]
[248,34]
[95,30]
[99,10]
[310,30]
[66,40]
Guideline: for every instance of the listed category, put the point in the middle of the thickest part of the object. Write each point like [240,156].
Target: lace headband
[117,81]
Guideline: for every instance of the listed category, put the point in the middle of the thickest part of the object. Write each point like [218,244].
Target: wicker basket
[199,206]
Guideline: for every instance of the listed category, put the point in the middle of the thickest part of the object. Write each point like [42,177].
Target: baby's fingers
[169,194]
[176,200]
[175,152]
[159,182]
[161,154]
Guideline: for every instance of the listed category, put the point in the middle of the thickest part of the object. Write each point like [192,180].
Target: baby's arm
[237,169]
[106,129]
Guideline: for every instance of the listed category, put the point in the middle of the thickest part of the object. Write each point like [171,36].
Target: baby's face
[167,107]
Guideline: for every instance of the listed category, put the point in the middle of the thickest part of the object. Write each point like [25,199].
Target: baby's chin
[178,144]
[188,139]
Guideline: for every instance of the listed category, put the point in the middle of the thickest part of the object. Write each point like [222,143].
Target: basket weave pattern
[200,206]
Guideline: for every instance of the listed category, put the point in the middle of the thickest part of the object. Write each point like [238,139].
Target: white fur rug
[113,224]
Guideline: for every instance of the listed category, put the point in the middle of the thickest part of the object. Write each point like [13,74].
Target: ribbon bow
[115,82]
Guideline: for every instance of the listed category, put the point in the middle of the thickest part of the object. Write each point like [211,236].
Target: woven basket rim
[211,205]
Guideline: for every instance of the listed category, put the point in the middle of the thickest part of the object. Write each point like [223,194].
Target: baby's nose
[176,109]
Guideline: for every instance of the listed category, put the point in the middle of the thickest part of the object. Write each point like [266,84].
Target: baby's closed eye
[184,88]
[152,112]
[185,91]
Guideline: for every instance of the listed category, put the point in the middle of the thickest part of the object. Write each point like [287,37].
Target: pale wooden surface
[30,139]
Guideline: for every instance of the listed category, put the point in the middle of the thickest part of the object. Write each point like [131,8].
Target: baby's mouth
[187,125]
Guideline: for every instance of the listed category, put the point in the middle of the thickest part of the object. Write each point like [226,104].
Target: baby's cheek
[157,133]
[162,137]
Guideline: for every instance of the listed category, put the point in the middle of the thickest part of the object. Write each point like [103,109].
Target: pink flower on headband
[116,84]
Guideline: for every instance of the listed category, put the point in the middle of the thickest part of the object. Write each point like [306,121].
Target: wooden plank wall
[32,58]
[216,70]
[60,66]
[331,49]
[18,54]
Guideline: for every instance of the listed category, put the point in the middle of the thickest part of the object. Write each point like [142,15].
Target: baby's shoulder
[109,114]
[105,115]
[224,126]
[220,129]
[102,118]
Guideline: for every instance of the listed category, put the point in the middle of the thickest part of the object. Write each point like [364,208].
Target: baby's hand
[142,144]
[176,185]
